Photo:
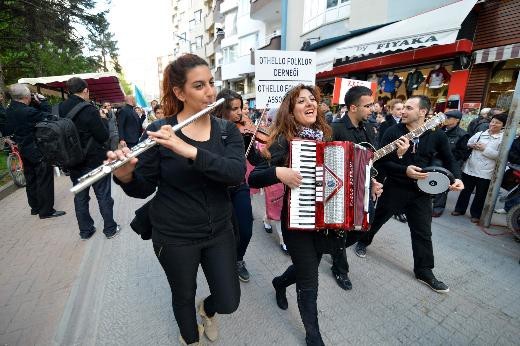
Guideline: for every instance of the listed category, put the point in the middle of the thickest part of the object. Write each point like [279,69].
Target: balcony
[228,5]
[210,49]
[217,16]
[208,22]
[268,11]
[273,42]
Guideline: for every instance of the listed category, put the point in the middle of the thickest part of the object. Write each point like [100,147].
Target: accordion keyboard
[302,203]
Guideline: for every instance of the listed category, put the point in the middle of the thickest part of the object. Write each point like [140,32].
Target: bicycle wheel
[14,162]
[513,220]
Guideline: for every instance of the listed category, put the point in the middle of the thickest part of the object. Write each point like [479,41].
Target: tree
[39,37]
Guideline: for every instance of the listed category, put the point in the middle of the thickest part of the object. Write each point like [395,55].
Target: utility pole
[498,174]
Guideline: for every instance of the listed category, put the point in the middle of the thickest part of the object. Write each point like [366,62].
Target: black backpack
[58,139]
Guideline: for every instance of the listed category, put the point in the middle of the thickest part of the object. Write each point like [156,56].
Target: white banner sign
[277,71]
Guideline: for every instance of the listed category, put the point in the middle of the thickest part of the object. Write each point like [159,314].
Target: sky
[143,31]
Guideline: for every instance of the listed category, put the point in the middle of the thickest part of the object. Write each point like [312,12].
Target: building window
[230,54]
[248,42]
[174,17]
[332,3]
[192,23]
[230,23]
[197,16]
[197,43]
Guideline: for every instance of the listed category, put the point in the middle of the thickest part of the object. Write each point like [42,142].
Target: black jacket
[455,137]
[344,130]
[432,144]
[129,124]
[385,125]
[90,125]
[21,120]
[3,119]
[477,125]
[192,201]
[514,152]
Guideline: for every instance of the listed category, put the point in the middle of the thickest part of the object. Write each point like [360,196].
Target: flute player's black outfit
[191,219]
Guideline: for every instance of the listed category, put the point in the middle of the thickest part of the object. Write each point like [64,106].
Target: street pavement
[56,289]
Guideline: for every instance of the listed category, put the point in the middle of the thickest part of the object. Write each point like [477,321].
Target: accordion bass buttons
[319,183]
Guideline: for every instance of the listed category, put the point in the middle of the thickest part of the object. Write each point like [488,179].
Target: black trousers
[417,206]
[217,255]
[305,257]
[40,186]
[481,187]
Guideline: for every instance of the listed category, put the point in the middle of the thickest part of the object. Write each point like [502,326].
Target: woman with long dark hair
[298,117]
[191,212]
[231,110]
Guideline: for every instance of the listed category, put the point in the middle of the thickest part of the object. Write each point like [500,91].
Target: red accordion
[335,189]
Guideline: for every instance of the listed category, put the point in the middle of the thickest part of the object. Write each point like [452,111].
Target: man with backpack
[23,113]
[92,127]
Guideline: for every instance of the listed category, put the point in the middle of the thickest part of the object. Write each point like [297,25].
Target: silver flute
[107,168]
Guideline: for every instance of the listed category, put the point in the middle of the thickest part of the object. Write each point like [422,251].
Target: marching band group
[201,210]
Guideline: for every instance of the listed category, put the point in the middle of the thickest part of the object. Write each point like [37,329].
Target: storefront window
[430,80]
[502,84]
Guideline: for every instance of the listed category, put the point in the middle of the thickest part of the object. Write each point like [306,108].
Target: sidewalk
[56,289]
[39,262]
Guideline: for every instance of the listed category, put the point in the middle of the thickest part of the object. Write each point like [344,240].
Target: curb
[7,189]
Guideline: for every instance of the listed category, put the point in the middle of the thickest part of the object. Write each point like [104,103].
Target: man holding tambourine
[404,171]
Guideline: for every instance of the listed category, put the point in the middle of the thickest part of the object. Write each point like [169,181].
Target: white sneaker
[500,211]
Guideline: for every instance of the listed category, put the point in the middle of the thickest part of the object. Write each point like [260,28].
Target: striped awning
[511,51]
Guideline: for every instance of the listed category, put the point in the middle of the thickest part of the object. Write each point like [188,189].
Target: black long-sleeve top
[428,145]
[264,173]
[192,201]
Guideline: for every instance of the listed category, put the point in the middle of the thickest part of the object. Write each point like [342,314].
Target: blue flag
[139,97]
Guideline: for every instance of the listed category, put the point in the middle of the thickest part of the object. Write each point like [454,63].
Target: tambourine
[438,181]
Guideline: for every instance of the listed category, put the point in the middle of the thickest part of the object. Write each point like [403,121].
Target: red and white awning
[511,51]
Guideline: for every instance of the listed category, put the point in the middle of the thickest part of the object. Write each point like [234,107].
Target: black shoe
[243,274]
[55,214]
[87,236]
[360,250]
[34,212]
[281,297]
[115,233]
[401,218]
[434,284]
[436,213]
[342,280]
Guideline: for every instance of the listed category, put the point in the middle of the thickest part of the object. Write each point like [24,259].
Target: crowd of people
[201,178]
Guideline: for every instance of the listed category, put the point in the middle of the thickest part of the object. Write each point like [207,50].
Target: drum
[438,181]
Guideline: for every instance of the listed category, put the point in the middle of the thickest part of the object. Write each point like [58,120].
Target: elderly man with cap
[478,169]
[457,138]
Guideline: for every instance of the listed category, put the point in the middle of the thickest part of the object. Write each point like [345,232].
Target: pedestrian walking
[298,116]
[23,113]
[92,126]
[403,169]
[191,212]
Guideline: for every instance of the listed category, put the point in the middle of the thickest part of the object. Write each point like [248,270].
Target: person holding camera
[107,113]
[23,113]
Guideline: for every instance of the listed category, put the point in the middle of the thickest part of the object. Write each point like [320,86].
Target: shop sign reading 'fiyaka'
[398,43]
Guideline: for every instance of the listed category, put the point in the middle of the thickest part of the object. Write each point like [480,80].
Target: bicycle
[15,164]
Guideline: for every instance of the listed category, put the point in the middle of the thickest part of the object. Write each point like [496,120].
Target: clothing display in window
[437,77]
[390,83]
[412,81]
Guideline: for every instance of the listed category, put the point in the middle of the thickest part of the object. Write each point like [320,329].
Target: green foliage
[127,88]
[39,38]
